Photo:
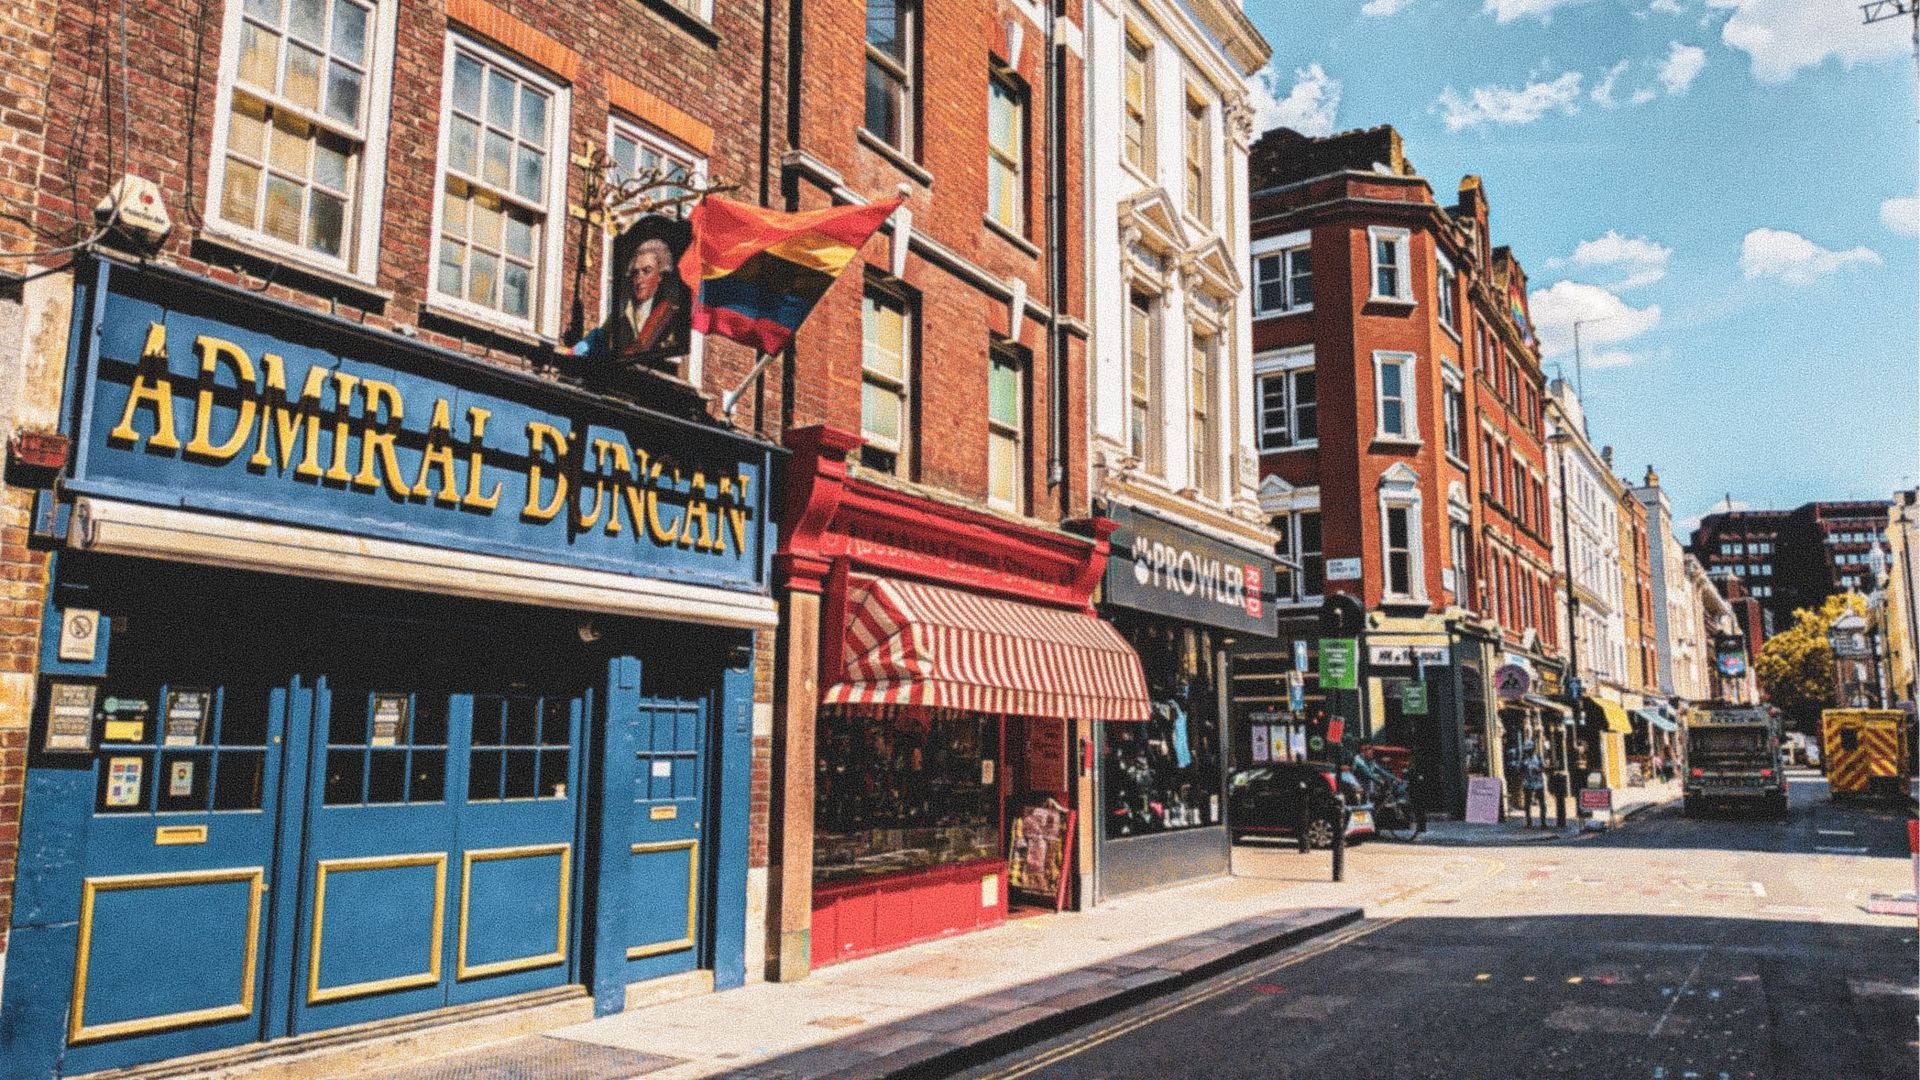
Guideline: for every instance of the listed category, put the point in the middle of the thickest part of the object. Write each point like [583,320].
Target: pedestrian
[1419,785]
[1533,787]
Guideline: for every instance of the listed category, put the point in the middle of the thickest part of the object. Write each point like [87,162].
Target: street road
[1671,949]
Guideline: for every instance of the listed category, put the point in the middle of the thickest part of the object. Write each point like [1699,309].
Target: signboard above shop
[1166,569]
[202,398]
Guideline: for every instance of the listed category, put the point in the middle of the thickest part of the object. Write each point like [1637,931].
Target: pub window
[300,150]
[886,358]
[499,189]
[892,38]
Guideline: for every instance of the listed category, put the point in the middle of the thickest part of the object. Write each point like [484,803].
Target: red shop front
[942,668]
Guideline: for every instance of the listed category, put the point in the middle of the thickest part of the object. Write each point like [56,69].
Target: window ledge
[1394,301]
[1280,313]
[894,157]
[1459,462]
[699,28]
[1026,246]
[464,320]
[1140,174]
[1308,444]
[1452,333]
[1411,443]
[332,282]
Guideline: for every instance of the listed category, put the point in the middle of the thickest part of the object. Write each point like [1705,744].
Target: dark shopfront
[391,703]
[1181,600]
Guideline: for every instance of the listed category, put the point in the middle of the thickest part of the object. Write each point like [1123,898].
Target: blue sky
[1726,185]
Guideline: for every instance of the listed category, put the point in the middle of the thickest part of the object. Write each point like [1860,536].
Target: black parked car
[1264,801]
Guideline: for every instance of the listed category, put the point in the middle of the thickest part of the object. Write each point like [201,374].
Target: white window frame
[1150,455]
[1282,249]
[1132,40]
[1014,159]
[1453,422]
[618,125]
[1409,398]
[1446,294]
[361,233]
[903,384]
[1297,579]
[544,320]
[1014,432]
[1403,244]
[1195,107]
[1402,495]
[905,71]
[1285,367]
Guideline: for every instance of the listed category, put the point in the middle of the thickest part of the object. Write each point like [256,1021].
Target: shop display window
[899,789]
[1163,774]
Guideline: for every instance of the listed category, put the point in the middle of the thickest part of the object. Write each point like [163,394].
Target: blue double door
[397,828]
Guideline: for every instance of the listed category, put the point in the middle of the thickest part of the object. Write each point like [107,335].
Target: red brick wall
[956,318]
[23,585]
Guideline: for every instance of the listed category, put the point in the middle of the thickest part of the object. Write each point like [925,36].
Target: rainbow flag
[756,273]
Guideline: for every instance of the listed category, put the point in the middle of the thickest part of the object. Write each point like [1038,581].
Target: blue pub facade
[375,680]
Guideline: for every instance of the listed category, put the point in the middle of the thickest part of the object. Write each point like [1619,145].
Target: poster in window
[188,711]
[1047,755]
[649,308]
[180,779]
[389,718]
[125,719]
[123,781]
[1041,851]
[70,716]
[1261,753]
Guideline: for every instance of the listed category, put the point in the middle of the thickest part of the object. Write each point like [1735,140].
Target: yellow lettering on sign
[540,437]
[343,385]
[636,493]
[213,352]
[284,419]
[655,527]
[156,394]
[735,502]
[602,450]
[698,512]
[438,454]
[476,427]
[377,436]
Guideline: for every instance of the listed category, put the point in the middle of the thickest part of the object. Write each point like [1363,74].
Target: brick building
[1790,559]
[390,221]
[936,408]
[1402,443]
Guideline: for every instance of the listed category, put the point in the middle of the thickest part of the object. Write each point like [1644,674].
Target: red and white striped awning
[912,644]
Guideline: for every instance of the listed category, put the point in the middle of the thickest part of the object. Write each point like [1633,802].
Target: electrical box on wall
[142,213]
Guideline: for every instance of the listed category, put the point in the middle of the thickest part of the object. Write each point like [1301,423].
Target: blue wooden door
[515,896]
[380,851]
[666,901]
[178,865]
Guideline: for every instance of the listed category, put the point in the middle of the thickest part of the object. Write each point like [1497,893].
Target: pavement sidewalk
[1628,803]
[931,1008]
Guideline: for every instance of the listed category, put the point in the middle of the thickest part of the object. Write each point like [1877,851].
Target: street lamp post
[1560,439]
[1848,638]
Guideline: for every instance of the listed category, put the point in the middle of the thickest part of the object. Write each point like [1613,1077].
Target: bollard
[1340,846]
[1306,817]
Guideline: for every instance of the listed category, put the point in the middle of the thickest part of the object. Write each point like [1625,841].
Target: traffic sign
[1413,699]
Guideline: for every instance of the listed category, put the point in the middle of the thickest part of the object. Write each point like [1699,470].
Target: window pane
[882,116]
[1392,419]
[880,413]
[1003,392]
[884,339]
[530,177]
[265,10]
[519,237]
[330,163]
[242,193]
[480,278]
[259,56]
[328,224]
[343,94]
[1390,380]
[283,210]
[288,152]
[499,155]
[307,19]
[533,115]
[500,95]
[1396,527]
[516,290]
[1306,424]
[884,22]
[1003,452]
[302,86]
[349,31]
[486,222]
[1300,269]
[463,145]
[466,84]
[247,127]
[451,257]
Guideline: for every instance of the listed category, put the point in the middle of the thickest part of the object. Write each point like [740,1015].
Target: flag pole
[731,399]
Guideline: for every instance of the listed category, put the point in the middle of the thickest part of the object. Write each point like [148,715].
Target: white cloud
[1901,214]
[1642,260]
[1604,319]
[1508,10]
[1643,95]
[1504,105]
[1308,107]
[1602,93]
[1681,67]
[1794,259]
[1383,7]
[1667,7]
[1783,36]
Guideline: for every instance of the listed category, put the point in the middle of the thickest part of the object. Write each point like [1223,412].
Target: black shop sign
[1160,567]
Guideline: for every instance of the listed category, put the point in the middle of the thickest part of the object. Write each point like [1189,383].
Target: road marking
[1759,890]
[1675,1000]
[1573,980]
[1842,850]
[1834,832]
[1482,977]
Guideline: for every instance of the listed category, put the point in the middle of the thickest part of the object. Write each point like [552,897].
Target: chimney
[1653,478]
[1606,455]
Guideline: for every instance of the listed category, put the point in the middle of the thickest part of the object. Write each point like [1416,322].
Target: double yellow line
[1301,954]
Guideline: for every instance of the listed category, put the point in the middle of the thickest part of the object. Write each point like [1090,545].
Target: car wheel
[1320,833]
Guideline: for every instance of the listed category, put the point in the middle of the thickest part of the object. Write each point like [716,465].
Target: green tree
[1795,667]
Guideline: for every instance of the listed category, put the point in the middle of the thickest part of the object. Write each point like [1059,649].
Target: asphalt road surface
[1672,949]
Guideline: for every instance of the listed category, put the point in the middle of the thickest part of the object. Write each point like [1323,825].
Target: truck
[1733,759]
[1867,752]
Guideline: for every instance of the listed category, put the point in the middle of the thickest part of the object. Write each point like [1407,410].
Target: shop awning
[1611,712]
[1548,704]
[1653,717]
[913,644]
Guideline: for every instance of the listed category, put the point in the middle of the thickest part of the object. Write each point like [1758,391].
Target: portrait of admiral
[649,310]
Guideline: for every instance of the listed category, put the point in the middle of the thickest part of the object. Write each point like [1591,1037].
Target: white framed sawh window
[1392,276]
[1197,179]
[886,379]
[1143,365]
[1289,402]
[298,167]
[1446,284]
[1136,102]
[1401,558]
[500,200]
[1006,151]
[1006,426]
[1395,413]
[1203,433]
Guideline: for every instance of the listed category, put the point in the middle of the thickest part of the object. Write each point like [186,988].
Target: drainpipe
[1055,225]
